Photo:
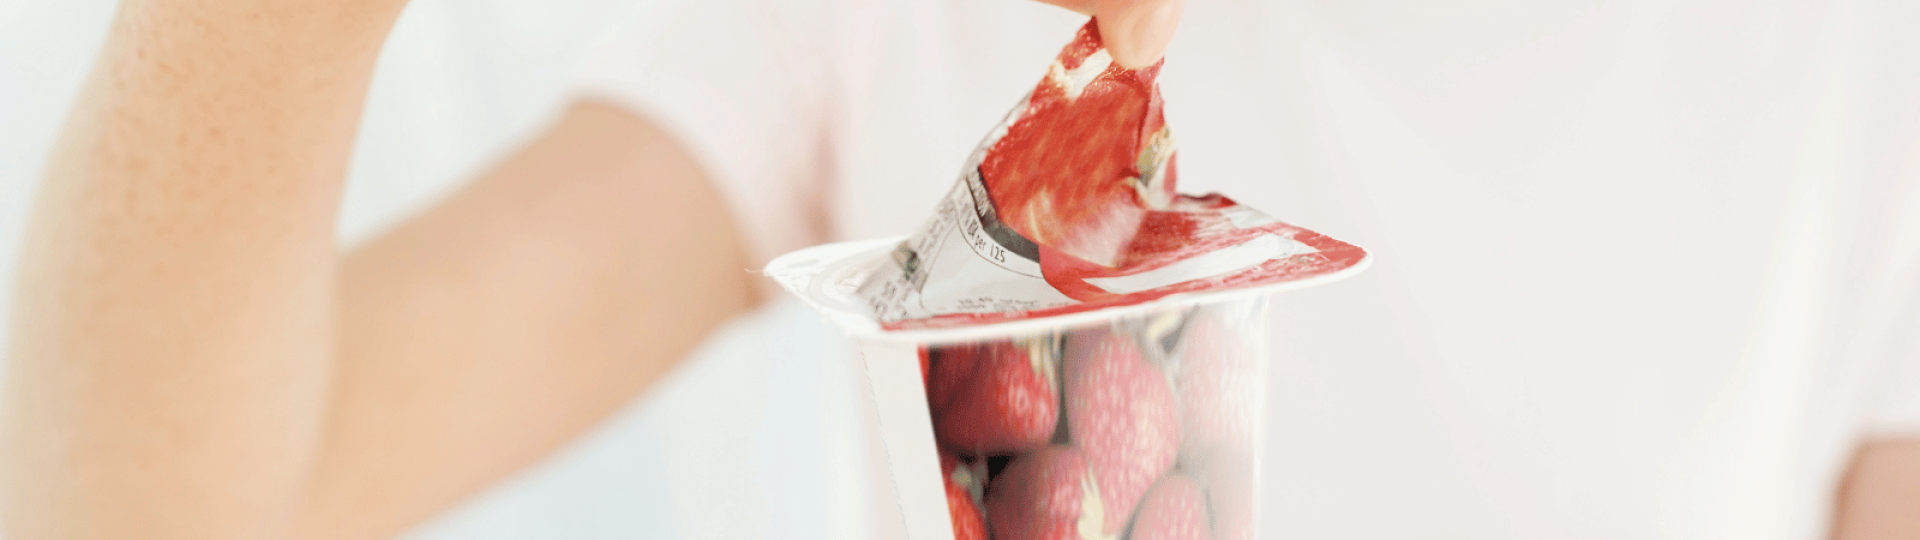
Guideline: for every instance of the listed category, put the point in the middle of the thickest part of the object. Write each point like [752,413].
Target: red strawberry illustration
[968,524]
[1086,170]
[1220,384]
[1087,157]
[948,367]
[996,397]
[1172,510]
[963,498]
[924,375]
[1047,495]
[1121,413]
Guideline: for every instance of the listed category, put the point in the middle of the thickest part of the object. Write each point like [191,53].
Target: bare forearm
[173,320]
[492,328]
[1879,498]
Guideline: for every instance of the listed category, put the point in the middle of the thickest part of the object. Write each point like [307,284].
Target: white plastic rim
[826,277]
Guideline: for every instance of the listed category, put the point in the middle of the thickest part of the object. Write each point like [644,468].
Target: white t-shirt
[1645,269]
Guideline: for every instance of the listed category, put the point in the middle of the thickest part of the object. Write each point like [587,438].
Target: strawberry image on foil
[1173,510]
[1086,171]
[1121,414]
[1087,157]
[1069,205]
[964,489]
[996,397]
[1048,494]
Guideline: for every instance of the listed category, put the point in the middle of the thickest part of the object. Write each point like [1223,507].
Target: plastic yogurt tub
[1068,349]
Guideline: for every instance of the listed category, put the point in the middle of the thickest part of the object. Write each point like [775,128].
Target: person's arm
[1879,497]
[192,360]
[508,319]
[173,334]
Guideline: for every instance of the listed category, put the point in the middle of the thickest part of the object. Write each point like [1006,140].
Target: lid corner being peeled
[1067,211]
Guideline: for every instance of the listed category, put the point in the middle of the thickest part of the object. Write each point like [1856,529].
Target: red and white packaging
[1068,348]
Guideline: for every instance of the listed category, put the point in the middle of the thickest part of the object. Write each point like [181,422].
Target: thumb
[1136,32]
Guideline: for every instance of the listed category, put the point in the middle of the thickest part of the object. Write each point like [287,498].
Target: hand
[1136,32]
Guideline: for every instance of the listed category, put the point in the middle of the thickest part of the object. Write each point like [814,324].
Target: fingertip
[1136,32]
[1083,7]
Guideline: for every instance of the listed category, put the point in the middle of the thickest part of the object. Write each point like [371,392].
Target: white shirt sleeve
[1898,412]
[743,86]
[1896,228]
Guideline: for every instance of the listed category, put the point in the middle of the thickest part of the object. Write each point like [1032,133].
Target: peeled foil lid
[1066,212]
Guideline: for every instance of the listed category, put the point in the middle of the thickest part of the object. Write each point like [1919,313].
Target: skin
[516,315]
[175,304]
[193,359]
[1136,32]
[200,362]
[1879,497]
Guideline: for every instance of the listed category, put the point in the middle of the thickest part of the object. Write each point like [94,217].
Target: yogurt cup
[1145,416]
[1068,349]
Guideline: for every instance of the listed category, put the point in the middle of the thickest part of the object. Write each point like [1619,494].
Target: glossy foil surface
[1070,205]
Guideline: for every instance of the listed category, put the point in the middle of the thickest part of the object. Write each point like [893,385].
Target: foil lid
[1069,206]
